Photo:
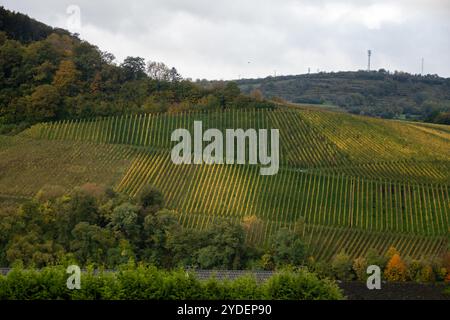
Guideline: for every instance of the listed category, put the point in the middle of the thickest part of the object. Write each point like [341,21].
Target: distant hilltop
[375,93]
[20,27]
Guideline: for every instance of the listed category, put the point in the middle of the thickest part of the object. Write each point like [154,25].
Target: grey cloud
[218,39]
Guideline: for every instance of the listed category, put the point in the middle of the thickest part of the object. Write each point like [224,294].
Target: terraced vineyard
[356,182]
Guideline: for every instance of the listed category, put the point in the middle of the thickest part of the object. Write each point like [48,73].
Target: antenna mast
[369,53]
[422,67]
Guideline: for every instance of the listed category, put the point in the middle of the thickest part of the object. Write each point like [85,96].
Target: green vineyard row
[356,182]
[320,199]
[308,139]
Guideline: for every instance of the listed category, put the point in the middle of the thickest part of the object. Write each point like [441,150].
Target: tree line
[92,225]
[143,282]
[50,74]
[377,93]
[95,226]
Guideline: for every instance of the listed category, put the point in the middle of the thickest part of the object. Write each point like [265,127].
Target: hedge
[149,283]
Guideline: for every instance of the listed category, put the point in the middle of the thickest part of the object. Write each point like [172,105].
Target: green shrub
[413,271]
[360,268]
[342,266]
[245,287]
[301,285]
[149,283]
[288,248]
[101,286]
[47,284]
[447,290]
[373,257]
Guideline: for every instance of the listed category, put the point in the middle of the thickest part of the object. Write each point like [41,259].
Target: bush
[360,268]
[152,105]
[100,286]
[288,248]
[374,258]
[427,274]
[150,197]
[301,285]
[413,272]
[342,266]
[321,268]
[245,287]
[20,284]
[149,283]
[395,269]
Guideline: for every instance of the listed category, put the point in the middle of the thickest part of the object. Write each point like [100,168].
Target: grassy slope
[27,165]
[357,182]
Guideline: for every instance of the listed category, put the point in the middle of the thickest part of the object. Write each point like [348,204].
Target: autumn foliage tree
[395,269]
[66,78]
[257,95]
[44,102]
[253,228]
[391,252]
[446,265]
[57,76]
[360,268]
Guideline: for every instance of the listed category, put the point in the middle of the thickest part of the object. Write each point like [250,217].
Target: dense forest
[49,74]
[22,28]
[95,225]
[376,93]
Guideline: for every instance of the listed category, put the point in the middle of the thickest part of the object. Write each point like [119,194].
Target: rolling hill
[352,183]
[376,93]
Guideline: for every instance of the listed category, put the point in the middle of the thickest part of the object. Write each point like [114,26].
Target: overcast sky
[256,38]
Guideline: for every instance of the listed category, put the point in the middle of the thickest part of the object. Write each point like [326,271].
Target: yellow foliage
[391,252]
[66,76]
[396,269]
[253,227]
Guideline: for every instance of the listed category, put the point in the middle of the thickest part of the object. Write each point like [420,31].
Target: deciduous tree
[395,269]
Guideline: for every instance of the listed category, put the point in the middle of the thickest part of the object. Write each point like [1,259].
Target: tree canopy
[49,74]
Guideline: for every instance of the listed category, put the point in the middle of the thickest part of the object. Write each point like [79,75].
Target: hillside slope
[380,94]
[22,28]
[355,182]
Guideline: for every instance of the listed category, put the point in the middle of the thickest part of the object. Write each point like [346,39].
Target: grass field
[356,182]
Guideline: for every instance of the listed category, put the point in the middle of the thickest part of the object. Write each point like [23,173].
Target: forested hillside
[48,74]
[22,28]
[376,93]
